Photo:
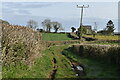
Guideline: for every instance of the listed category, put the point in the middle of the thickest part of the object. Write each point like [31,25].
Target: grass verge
[40,69]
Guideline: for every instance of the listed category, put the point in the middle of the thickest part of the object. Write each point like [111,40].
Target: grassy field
[43,66]
[62,37]
[55,37]
[105,37]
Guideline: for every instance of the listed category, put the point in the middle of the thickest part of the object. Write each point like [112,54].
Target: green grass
[64,69]
[55,37]
[43,66]
[40,69]
[95,68]
[105,37]
[0,70]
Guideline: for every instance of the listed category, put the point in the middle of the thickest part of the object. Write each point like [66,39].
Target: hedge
[108,53]
[19,42]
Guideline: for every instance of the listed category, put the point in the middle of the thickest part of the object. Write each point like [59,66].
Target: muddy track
[53,72]
[78,68]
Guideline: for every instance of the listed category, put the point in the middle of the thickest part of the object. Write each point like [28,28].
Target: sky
[64,12]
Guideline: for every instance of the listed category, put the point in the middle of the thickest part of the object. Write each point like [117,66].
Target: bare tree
[57,26]
[47,25]
[32,24]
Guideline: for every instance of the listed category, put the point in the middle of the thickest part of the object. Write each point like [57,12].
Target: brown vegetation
[19,43]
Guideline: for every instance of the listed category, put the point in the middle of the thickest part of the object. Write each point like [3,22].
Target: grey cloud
[26,4]
[6,10]
[36,5]
[23,12]
[22,7]
[15,11]
[10,8]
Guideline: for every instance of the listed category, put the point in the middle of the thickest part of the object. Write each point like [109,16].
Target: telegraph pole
[95,26]
[95,29]
[81,18]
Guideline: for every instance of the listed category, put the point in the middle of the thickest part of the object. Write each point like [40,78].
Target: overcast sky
[64,12]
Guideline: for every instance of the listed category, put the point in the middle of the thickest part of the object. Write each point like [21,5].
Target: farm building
[88,28]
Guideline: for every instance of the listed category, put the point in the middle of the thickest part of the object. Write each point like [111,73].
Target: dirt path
[53,72]
[76,67]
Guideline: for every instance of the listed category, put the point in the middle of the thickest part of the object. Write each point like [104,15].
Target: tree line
[47,25]
[108,30]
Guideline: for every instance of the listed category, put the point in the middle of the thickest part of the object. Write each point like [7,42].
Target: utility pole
[81,18]
[95,29]
[95,26]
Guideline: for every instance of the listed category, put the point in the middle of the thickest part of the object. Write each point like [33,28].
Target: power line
[81,18]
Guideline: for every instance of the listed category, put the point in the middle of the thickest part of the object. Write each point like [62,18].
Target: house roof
[88,26]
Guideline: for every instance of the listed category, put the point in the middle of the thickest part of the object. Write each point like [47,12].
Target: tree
[47,25]
[84,30]
[57,26]
[73,29]
[40,30]
[110,27]
[32,24]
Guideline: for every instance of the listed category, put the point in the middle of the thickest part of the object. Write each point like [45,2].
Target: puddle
[78,68]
